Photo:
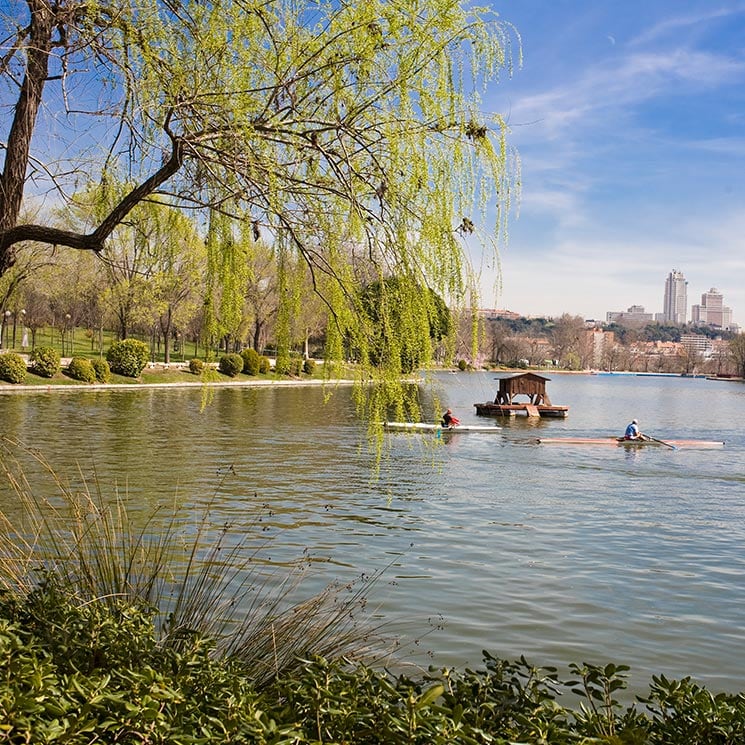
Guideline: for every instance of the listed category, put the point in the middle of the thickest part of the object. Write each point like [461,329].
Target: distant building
[712,311]
[697,343]
[600,342]
[675,308]
[634,316]
[497,313]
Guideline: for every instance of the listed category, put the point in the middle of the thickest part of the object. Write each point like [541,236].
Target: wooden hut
[528,384]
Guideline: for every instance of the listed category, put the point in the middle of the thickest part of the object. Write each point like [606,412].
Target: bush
[230,364]
[462,365]
[265,365]
[12,367]
[128,357]
[251,361]
[102,370]
[309,366]
[45,362]
[196,366]
[81,368]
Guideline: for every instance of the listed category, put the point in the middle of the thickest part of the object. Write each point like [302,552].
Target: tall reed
[199,583]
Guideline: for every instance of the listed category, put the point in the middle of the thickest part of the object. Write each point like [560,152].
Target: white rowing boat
[629,443]
[426,427]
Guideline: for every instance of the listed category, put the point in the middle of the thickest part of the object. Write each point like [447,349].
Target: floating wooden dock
[527,384]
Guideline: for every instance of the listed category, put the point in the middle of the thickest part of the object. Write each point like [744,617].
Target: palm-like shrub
[12,367]
[81,368]
[128,357]
[45,361]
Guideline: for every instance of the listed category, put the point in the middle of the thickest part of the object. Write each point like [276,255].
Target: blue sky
[629,120]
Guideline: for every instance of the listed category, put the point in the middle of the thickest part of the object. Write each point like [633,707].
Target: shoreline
[11,388]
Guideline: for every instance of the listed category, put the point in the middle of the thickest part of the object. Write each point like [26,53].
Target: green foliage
[12,367]
[309,366]
[45,361]
[128,357]
[230,364]
[81,368]
[251,361]
[265,365]
[102,369]
[462,365]
[196,366]
[403,321]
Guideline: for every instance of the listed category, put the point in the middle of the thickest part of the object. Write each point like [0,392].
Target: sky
[628,118]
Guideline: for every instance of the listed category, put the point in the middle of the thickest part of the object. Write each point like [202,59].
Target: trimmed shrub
[265,365]
[196,366]
[128,357]
[296,366]
[230,364]
[462,365]
[309,366]
[251,361]
[102,369]
[81,368]
[12,368]
[45,362]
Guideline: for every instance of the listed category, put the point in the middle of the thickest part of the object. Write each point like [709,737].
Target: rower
[632,431]
[448,420]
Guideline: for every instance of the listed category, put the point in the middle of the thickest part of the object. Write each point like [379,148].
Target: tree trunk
[18,148]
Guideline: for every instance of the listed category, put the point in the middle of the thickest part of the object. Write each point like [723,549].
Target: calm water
[491,541]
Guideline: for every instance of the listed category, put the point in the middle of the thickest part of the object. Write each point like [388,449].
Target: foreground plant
[193,582]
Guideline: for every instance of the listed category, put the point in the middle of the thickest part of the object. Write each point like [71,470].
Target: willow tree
[347,131]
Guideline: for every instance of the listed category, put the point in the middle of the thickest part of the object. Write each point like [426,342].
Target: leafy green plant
[45,361]
[251,361]
[265,365]
[12,367]
[128,357]
[102,369]
[230,364]
[309,366]
[196,366]
[81,368]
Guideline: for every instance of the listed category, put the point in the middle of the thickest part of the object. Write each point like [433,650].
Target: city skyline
[628,120]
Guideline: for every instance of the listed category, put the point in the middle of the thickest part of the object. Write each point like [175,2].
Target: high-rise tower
[676,298]
[712,311]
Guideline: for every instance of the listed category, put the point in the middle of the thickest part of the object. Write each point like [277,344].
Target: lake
[489,541]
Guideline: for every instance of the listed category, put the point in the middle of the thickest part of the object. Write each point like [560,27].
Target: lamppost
[67,328]
[6,320]
[24,336]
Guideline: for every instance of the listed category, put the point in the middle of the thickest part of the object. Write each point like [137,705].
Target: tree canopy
[349,137]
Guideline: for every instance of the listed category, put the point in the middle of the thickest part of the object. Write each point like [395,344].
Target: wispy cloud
[617,85]
[672,26]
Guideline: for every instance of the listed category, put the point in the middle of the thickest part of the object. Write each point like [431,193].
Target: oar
[662,442]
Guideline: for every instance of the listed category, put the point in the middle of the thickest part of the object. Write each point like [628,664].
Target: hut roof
[512,375]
